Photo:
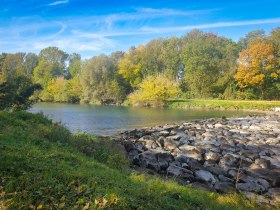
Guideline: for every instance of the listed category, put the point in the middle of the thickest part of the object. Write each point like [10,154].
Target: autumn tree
[130,66]
[257,66]
[154,91]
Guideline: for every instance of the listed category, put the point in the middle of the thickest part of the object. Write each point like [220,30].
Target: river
[108,120]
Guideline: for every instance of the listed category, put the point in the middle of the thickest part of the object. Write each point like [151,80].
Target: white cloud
[169,12]
[210,25]
[58,2]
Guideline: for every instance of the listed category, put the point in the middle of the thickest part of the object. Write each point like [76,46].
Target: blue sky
[91,27]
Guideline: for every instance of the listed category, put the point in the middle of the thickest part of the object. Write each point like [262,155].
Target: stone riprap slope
[223,155]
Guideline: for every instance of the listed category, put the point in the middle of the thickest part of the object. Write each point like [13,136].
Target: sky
[92,27]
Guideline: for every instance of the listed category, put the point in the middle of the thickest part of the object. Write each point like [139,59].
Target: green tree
[31,60]
[257,34]
[101,82]
[16,85]
[74,64]
[56,58]
[207,58]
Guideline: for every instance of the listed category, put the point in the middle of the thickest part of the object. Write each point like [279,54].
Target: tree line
[197,65]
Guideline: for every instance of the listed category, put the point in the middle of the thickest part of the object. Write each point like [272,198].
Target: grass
[223,104]
[44,166]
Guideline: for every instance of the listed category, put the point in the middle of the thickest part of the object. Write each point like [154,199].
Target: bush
[154,91]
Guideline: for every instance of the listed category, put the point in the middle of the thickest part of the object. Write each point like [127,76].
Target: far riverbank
[212,104]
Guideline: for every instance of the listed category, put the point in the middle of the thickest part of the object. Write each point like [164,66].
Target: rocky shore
[222,155]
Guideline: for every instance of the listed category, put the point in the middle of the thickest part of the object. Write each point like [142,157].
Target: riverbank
[222,155]
[44,166]
[223,104]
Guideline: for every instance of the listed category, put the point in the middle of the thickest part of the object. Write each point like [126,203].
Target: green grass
[223,104]
[44,166]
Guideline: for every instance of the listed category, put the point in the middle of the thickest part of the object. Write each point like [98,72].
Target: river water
[108,120]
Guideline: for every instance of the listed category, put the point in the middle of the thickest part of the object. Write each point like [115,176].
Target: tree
[257,65]
[101,82]
[43,73]
[11,65]
[74,64]
[31,60]
[257,34]
[154,91]
[275,38]
[130,66]
[207,58]
[15,93]
[55,58]
[74,90]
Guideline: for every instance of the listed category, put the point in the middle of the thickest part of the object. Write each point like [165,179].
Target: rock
[174,137]
[224,187]
[179,172]
[213,168]
[212,156]
[223,178]
[258,199]
[259,181]
[210,134]
[192,154]
[272,175]
[228,160]
[233,173]
[128,145]
[273,161]
[218,125]
[249,154]
[164,132]
[205,176]
[274,194]
[169,145]
[216,154]
[149,160]
[250,187]
[140,147]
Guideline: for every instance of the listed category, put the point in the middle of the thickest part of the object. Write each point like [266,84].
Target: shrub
[154,91]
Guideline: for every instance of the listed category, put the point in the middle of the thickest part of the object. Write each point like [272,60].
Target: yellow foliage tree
[154,91]
[57,88]
[257,64]
[130,66]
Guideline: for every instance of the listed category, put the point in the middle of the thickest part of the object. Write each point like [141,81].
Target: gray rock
[258,199]
[224,187]
[128,145]
[179,172]
[205,176]
[213,168]
[174,137]
[223,178]
[274,194]
[250,187]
